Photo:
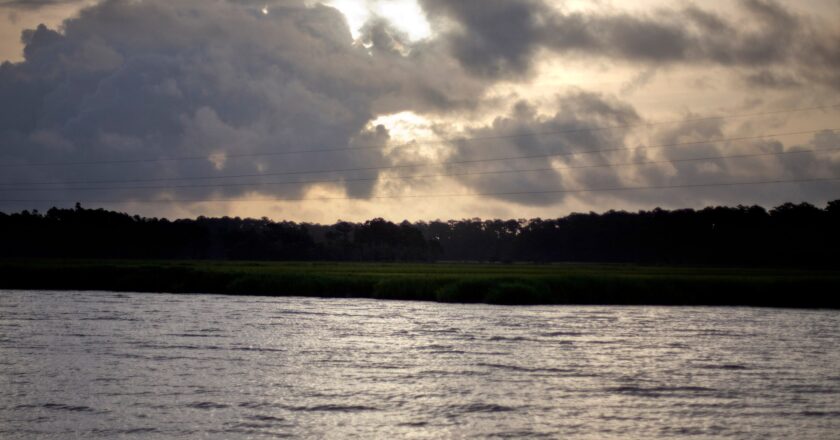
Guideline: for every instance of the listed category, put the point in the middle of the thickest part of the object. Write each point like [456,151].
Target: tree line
[790,234]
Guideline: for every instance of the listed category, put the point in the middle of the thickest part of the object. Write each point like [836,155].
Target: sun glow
[405,15]
[405,126]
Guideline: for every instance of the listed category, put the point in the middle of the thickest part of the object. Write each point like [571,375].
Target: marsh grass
[445,282]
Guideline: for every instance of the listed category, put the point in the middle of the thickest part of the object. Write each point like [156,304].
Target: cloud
[217,81]
[502,38]
[765,79]
[35,4]
[572,129]
[751,160]
[588,130]
[220,82]
[492,37]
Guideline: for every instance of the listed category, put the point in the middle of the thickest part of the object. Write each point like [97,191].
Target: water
[105,365]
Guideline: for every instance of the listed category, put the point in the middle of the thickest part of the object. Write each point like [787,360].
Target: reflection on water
[99,364]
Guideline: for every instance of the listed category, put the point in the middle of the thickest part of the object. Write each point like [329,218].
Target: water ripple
[104,365]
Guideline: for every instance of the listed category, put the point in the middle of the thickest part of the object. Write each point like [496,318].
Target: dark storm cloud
[587,122]
[420,76]
[570,130]
[496,37]
[811,162]
[34,4]
[500,38]
[131,79]
[218,79]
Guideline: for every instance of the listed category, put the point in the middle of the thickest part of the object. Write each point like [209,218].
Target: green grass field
[446,282]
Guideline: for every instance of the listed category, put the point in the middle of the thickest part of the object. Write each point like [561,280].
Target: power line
[449,195]
[419,165]
[442,141]
[475,173]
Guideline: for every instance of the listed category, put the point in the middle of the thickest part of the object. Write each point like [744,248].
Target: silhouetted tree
[789,234]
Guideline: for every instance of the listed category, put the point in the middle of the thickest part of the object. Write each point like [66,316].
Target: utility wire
[442,141]
[446,195]
[427,176]
[417,165]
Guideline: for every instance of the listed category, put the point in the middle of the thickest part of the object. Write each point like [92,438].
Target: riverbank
[515,284]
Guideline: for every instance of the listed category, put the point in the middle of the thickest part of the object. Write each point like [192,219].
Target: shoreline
[515,284]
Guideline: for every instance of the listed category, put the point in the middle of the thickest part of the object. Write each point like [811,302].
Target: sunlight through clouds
[280,94]
[411,134]
[405,15]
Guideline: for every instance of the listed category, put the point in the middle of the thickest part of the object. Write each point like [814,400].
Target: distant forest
[790,235]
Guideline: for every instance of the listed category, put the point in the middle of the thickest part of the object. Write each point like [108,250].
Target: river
[105,365]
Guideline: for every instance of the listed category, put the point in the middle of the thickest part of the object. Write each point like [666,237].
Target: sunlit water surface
[104,365]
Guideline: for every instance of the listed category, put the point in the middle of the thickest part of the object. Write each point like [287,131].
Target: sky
[417,109]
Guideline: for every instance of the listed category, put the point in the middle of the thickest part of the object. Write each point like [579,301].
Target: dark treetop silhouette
[790,235]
